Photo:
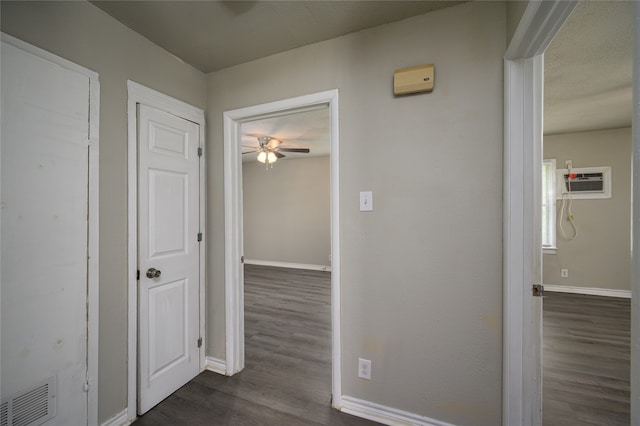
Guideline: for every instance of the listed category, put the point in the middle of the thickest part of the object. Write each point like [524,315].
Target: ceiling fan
[269,150]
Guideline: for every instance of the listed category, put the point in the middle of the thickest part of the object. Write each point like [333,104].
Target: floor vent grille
[4,414]
[31,407]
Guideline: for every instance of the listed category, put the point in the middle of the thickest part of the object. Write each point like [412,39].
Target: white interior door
[45,175]
[168,254]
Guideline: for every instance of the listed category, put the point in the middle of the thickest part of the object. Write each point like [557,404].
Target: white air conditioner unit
[588,183]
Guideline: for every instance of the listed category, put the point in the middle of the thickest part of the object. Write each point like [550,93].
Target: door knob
[153,273]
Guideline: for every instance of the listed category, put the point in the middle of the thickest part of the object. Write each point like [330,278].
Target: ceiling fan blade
[301,150]
[249,152]
[273,143]
[278,154]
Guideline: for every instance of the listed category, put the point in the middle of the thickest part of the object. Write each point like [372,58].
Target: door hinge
[538,290]
[241,259]
[199,151]
[138,275]
[199,236]
[86,387]
[199,342]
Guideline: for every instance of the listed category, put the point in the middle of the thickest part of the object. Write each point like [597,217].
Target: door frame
[93,234]
[139,94]
[234,285]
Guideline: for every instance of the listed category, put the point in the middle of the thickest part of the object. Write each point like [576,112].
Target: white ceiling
[588,70]
[306,129]
[588,66]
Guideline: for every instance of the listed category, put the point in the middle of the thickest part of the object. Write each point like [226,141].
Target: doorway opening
[234,223]
[587,260]
[287,250]
[522,379]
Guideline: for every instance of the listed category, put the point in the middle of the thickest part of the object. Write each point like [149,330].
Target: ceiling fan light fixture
[267,157]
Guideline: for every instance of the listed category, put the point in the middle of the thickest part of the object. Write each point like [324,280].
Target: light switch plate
[366,201]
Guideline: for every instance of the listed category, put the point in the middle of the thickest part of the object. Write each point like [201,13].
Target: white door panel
[168,212]
[45,134]
[168,333]
[168,221]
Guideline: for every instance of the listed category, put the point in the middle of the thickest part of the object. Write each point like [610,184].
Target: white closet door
[44,192]
[168,220]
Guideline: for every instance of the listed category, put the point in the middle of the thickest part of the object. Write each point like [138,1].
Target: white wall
[422,274]
[82,33]
[286,211]
[600,256]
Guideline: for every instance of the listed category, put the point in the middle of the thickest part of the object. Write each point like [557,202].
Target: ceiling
[212,35]
[588,70]
[299,129]
[588,66]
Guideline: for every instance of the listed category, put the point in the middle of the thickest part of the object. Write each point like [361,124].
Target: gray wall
[287,211]
[82,33]
[422,274]
[601,254]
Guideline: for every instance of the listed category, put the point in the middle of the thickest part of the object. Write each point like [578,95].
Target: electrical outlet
[364,368]
[564,273]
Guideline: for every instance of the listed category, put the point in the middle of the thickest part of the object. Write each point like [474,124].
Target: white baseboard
[119,419]
[288,265]
[386,415]
[592,291]
[216,365]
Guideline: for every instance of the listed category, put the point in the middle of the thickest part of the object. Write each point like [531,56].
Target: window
[549,204]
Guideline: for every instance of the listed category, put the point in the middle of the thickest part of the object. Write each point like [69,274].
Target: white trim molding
[234,281]
[216,365]
[522,253]
[635,229]
[386,415]
[93,262]
[139,94]
[538,26]
[307,266]
[591,291]
[519,262]
[120,419]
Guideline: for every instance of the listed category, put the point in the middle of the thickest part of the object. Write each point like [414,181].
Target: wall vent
[32,407]
[587,183]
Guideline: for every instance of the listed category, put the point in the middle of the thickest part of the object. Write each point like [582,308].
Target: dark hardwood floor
[586,360]
[287,375]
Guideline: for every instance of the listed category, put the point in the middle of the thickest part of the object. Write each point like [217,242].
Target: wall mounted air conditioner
[588,183]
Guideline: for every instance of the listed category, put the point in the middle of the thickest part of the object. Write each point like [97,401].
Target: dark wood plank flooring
[287,375]
[586,360]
